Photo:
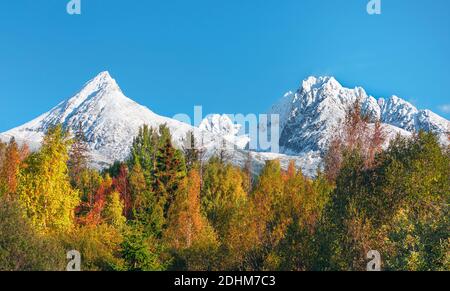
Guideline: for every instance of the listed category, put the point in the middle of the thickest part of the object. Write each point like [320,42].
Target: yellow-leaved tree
[44,190]
[188,232]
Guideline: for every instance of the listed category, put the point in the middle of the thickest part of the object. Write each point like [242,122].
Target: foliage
[44,189]
[21,248]
[164,209]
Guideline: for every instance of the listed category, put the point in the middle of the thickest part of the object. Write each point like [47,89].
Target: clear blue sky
[231,56]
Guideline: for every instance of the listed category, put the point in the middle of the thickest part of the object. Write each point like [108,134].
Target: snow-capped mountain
[224,126]
[110,121]
[310,117]
[308,120]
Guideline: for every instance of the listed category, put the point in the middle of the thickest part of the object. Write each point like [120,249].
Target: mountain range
[308,121]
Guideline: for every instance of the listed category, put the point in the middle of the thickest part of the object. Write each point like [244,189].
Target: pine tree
[140,252]
[143,152]
[170,169]
[191,151]
[78,156]
[147,208]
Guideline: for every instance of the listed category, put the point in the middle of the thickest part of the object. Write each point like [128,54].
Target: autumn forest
[170,209]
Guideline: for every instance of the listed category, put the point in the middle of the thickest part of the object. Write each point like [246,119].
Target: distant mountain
[223,125]
[309,118]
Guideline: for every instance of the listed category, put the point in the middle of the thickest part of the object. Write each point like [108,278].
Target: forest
[170,209]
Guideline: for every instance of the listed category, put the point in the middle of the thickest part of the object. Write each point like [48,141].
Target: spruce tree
[78,156]
[191,151]
[170,168]
[143,152]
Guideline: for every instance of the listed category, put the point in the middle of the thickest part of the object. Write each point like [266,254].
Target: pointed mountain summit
[109,120]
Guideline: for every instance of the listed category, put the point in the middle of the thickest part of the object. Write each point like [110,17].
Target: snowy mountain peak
[220,124]
[110,121]
[312,83]
[223,125]
[103,78]
[310,117]
[102,82]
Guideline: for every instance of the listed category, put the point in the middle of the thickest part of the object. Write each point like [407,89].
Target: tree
[249,172]
[44,189]
[78,156]
[113,211]
[399,206]
[356,135]
[21,248]
[147,208]
[191,151]
[143,152]
[305,201]
[231,213]
[376,143]
[188,231]
[121,185]
[9,168]
[142,253]
[270,215]
[99,246]
[223,154]
[97,203]
[170,169]
[418,171]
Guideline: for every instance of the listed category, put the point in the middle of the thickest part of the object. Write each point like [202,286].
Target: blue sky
[231,56]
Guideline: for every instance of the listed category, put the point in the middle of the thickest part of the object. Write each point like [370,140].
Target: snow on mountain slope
[399,112]
[310,117]
[110,121]
[223,125]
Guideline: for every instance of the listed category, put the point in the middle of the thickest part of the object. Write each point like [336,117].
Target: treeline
[167,209]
